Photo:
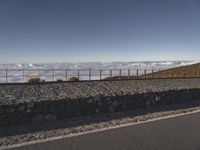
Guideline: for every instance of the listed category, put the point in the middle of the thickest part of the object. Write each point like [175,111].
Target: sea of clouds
[20,72]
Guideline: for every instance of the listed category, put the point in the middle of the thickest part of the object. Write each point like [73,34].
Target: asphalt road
[179,133]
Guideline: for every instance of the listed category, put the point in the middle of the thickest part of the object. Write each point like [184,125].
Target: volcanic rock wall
[26,103]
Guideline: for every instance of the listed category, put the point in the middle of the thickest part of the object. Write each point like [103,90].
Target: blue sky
[99,30]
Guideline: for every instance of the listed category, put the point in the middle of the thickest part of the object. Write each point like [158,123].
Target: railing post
[137,73]
[159,74]
[6,75]
[78,74]
[100,73]
[152,71]
[110,73]
[38,74]
[196,73]
[128,73]
[89,74]
[178,72]
[66,74]
[120,74]
[23,75]
[145,73]
[52,75]
[182,74]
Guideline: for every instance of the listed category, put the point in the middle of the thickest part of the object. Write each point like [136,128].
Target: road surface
[178,133]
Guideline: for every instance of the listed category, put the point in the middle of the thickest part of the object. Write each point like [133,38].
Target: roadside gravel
[30,93]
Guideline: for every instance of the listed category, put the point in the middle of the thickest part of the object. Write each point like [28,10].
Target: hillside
[192,70]
[182,71]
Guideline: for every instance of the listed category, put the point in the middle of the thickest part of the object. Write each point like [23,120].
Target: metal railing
[24,75]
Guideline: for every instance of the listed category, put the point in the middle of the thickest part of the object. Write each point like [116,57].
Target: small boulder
[50,117]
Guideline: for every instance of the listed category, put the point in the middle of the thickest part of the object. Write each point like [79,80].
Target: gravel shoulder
[25,93]
[31,132]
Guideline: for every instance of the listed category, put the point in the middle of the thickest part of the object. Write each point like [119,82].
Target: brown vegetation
[33,80]
[183,71]
[73,79]
[177,72]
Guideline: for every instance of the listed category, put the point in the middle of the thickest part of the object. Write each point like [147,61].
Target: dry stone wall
[26,103]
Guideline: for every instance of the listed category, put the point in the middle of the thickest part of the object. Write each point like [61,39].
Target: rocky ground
[12,95]
[30,132]
[26,93]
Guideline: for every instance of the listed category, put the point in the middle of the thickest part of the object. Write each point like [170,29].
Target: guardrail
[24,75]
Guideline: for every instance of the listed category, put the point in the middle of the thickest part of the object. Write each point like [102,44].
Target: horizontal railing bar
[21,75]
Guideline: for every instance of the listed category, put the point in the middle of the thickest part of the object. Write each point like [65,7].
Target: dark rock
[50,117]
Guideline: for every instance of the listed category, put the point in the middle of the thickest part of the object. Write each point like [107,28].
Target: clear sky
[99,30]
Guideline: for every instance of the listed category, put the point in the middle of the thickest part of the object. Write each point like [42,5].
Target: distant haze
[98,65]
[16,71]
[38,31]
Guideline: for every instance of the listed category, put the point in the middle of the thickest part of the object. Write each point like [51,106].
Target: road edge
[97,130]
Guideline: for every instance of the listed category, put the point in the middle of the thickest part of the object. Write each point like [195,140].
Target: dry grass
[178,72]
[183,71]
[73,79]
